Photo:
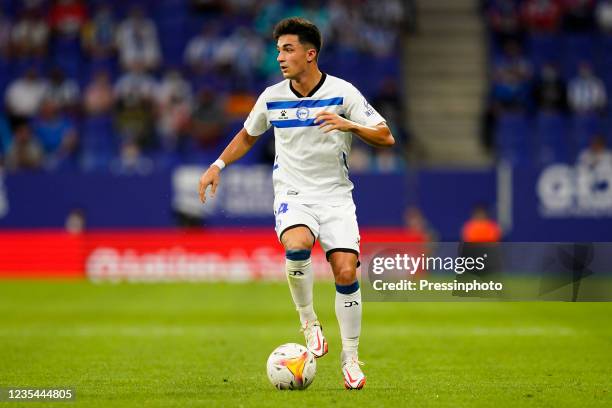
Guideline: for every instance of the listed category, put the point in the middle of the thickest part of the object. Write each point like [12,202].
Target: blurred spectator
[511,79]
[57,134]
[597,156]
[131,161]
[541,16]
[586,92]
[174,103]
[67,17]
[380,41]
[24,96]
[360,158]
[99,97]
[137,41]
[378,22]
[208,119]
[135,93]
[24,151]
[98,36]
[240,54]
[603,12]
[239,103]
[341,14]
[33,4]
[480,228]
[417,226]
[30,35]
[550,91]
[75,222]
[227,58]
[386,161]
[269,12]
[135,85]
[201,50]
[389,104]
[5,137]
[503,17]
[508,92]
[578,15]
[514,60]
[388,100]
[391,13]
[318,13]
[5,35]
[64,92]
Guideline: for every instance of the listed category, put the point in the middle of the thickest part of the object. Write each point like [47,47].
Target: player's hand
[329,121]
[211,177]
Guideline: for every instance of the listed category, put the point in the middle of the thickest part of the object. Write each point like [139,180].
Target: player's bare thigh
[344,267]
[298,237]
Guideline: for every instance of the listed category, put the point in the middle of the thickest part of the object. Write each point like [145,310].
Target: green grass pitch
[180,345]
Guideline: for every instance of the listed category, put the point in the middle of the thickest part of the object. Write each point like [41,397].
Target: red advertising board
[158,255]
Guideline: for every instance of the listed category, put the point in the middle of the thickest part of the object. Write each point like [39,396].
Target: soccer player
[314,117]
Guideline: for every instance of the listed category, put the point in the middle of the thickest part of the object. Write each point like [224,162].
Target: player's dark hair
[307,32]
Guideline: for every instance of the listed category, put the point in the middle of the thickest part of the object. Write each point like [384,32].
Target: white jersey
[310,165]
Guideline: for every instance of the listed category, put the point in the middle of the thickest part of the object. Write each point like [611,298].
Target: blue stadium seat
[5,75]
[98,142]
[543,48]
[583,128]
[577,48]
[552,138]
[66,54]
[513,137]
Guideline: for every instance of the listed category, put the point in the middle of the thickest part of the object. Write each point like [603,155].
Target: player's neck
[306,82]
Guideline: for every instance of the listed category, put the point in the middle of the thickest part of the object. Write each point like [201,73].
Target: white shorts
[334,225]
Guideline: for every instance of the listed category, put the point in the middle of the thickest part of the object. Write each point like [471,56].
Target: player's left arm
[378,135]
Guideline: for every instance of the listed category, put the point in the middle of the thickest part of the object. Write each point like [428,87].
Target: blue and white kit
[310,174]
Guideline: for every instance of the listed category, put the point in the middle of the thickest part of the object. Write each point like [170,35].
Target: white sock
[348,313]
[301,281]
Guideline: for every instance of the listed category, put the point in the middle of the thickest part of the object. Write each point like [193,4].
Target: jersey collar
[313,91]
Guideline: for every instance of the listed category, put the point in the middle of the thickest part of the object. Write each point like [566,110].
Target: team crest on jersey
[302,113]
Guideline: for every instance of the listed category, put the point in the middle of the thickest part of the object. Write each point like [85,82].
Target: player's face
[292,56]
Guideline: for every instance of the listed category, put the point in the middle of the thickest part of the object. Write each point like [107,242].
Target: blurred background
[112,109]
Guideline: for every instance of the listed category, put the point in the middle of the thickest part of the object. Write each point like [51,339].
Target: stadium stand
[554,91]
[134,71]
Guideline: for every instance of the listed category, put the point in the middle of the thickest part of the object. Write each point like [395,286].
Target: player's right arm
[256,124]
[238,147]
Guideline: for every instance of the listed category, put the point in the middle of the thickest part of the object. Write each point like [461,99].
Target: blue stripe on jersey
[293,123]
[307,103]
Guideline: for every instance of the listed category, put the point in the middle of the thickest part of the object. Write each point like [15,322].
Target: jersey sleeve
[359,110]
[257,122]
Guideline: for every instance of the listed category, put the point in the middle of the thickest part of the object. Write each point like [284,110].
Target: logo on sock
[296,273]
[351,303]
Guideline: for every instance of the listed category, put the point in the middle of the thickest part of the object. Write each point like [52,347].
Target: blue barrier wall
[557,203]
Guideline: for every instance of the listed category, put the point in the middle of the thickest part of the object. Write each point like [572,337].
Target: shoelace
[351,363]
[310,333]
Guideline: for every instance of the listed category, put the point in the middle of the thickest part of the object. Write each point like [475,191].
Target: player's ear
[311,55]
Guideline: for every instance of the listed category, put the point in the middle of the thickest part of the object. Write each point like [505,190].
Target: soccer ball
[291,367]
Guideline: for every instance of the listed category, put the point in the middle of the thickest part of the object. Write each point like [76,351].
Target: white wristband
[219,163]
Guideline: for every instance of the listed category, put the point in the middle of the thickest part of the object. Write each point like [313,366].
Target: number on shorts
[282,208]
